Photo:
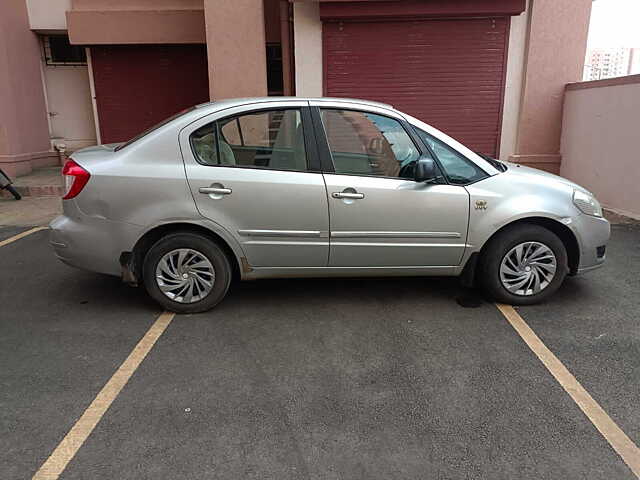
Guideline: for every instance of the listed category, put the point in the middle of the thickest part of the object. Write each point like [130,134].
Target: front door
[249,172]
[381,217]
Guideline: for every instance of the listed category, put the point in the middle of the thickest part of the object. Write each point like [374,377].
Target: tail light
[75,178]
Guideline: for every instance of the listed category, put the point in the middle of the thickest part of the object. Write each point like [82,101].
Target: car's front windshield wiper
[494,163]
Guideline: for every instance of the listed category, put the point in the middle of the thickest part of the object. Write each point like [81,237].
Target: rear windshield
[155,127]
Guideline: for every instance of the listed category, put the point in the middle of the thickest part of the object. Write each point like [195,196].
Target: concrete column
[554,56]
[24,129]
[236,48]
[518,32]
[307,32]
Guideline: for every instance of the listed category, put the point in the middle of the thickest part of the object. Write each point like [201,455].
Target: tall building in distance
[634,61]
[611,62]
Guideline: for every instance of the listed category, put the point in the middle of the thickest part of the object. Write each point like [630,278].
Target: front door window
[458,169]
[364,143]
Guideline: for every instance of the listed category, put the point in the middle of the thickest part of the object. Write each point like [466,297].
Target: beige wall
[69,101]
[236,48]
[48,14]
[556,45]
[307,35]
[24,132]
[600,132]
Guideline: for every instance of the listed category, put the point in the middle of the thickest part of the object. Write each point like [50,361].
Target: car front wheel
[186,273]
[523,265]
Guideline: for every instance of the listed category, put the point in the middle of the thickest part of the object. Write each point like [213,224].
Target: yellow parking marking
[21,235]
[620,442]
[71,443]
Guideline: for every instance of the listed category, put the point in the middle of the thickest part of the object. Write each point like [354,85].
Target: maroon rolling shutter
[138,86]
[448,73]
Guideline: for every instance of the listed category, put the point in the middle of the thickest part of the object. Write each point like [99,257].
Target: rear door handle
[215,190]
[355,196]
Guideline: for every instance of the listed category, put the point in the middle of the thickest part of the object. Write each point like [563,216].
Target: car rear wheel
[523,265]
[186,273]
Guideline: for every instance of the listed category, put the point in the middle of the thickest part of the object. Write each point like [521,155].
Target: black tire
[501,244]
[204,246]
[14,192]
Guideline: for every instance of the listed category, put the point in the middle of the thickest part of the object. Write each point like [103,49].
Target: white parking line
[21,235]
[71,443]
[612,433]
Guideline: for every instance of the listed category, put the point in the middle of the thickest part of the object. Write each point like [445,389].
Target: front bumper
[593,235]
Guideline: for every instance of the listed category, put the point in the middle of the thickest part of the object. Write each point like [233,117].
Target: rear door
[380,216]
[254,171]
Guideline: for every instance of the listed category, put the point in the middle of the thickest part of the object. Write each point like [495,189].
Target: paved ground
[29,211]
[321,379]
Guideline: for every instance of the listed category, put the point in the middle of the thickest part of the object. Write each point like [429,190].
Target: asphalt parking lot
[315,379]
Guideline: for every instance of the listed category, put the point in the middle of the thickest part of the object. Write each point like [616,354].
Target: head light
[587,203]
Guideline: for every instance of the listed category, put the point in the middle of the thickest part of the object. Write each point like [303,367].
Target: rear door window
[271,139]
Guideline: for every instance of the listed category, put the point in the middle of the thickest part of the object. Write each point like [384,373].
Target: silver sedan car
[299,187]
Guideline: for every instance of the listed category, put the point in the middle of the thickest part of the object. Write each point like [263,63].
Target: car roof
[236,102]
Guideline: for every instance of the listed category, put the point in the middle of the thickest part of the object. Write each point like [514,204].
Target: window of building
[58,51]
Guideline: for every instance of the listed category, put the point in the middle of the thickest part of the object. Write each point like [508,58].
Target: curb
[36,191]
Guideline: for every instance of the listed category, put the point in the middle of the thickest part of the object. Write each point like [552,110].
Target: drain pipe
[61,148]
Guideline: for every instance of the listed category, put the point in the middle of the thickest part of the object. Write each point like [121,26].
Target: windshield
[154,127]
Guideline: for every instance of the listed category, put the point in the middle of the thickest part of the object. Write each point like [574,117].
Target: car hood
[533,175]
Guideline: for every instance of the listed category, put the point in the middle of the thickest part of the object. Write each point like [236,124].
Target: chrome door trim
[461,246]
[284,233]
[301,272]
[395,235]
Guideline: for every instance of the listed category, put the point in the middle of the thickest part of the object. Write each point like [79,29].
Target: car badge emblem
[481,204]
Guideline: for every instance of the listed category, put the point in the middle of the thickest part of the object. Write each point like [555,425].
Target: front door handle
[351,195]
[215,190]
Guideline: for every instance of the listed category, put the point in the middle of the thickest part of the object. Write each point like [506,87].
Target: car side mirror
[425,170]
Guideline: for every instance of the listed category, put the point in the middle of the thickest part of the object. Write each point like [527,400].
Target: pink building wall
[236,48]
[116,22]
[600,140]
[234,31]
[554,56]
[24,130]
